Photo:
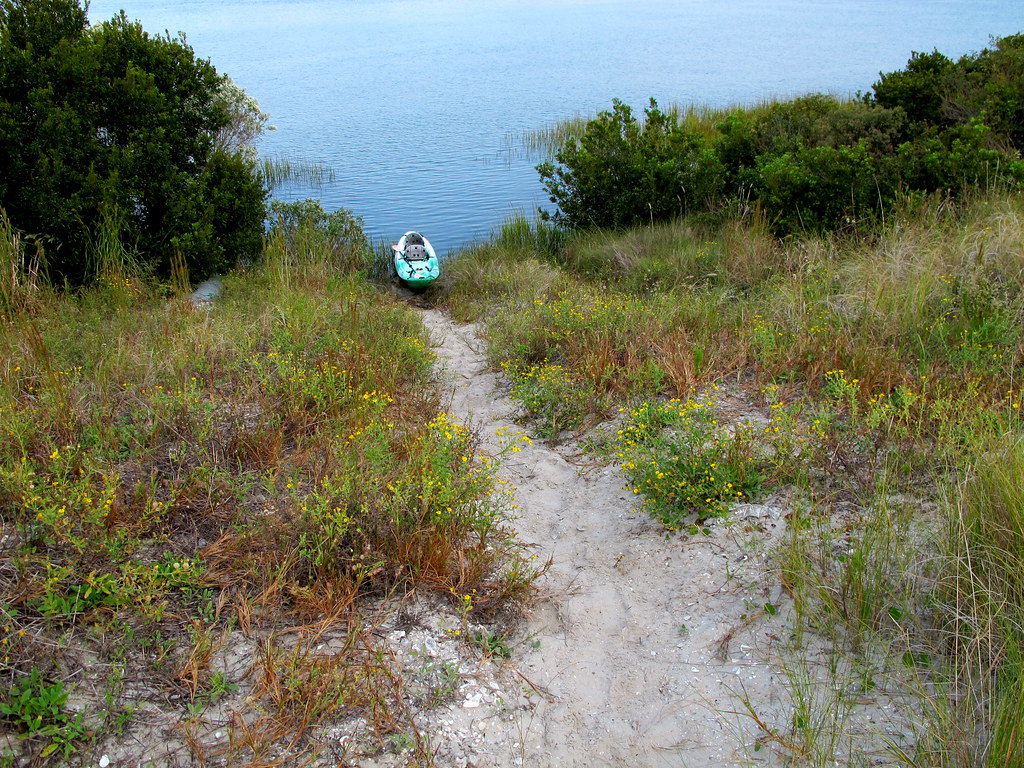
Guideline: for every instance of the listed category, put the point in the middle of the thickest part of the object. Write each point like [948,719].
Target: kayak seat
[415,253]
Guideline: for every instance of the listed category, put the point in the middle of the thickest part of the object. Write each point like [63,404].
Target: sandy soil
[640,647]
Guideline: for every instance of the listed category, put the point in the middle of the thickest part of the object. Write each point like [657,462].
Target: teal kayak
[415,262]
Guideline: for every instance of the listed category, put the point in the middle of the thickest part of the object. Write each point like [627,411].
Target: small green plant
[493,644]
[36,708]
[219,686]
[842,391]
[400,742]
[684,463]
[441,681]
[553,396]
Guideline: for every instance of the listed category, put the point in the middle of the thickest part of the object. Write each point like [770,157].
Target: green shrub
[956,159]
[621,172]
[917,90]
[814,163]
[937,92]
[990,84]
[819,189]
[36,708]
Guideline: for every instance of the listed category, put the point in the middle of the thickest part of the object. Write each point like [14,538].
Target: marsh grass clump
[658,257]
[19,270]
[307,244]
[484,280]
[527,236]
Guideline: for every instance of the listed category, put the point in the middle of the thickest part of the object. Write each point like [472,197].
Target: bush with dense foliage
[622,172]
[108,123]
[936,92]
[813,163]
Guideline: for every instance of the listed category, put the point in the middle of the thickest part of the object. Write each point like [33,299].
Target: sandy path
[628,685]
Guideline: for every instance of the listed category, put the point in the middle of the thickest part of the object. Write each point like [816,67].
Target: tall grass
[278,172]
[112,264]
[19,273]
[486,280]
[924,316]
[168,474]
[925,612]
[520,234]
[545,141]
[980,594]
[306,246]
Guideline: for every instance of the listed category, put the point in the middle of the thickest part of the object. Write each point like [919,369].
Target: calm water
[413,102]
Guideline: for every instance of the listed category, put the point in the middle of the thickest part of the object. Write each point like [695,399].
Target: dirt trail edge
[642,646]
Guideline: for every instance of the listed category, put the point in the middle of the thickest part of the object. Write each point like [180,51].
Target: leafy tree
[108,123]
[247,121]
